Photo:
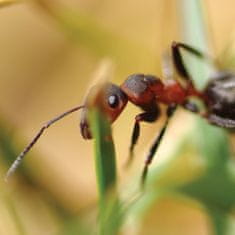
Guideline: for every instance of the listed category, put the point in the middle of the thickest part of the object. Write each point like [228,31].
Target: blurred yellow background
[45,71]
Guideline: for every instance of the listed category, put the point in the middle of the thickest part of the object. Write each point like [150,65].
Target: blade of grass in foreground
[105,161]
[109,207]
[104,154]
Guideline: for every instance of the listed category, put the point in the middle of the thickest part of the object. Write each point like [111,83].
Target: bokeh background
[46,67]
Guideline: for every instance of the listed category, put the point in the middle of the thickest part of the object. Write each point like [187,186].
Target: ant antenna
[20,157]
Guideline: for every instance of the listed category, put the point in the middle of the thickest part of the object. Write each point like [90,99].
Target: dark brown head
[112,103]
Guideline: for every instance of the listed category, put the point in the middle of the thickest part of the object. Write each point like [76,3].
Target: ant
[147,92]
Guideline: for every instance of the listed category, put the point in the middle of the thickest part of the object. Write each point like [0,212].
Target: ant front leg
[148,116]
[178,58]
[170,111]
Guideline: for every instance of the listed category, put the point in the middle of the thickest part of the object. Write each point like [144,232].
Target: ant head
[112,101]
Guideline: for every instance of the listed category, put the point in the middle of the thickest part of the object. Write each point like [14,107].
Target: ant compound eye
[113,101]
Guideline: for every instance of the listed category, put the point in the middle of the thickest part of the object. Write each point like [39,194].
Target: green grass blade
[109,207]
[104,153]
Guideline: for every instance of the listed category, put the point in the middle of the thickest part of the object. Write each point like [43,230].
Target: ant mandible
[147,92]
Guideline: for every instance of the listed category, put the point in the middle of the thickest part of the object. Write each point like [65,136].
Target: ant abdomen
[220,93]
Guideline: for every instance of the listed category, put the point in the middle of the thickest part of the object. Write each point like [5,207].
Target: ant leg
[178,59]
[142,117]
[170,111]
[20,157]
[220,121]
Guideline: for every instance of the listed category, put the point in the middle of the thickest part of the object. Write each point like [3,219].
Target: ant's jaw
[85,130]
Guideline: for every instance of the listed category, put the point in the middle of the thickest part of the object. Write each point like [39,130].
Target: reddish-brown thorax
[173,92]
